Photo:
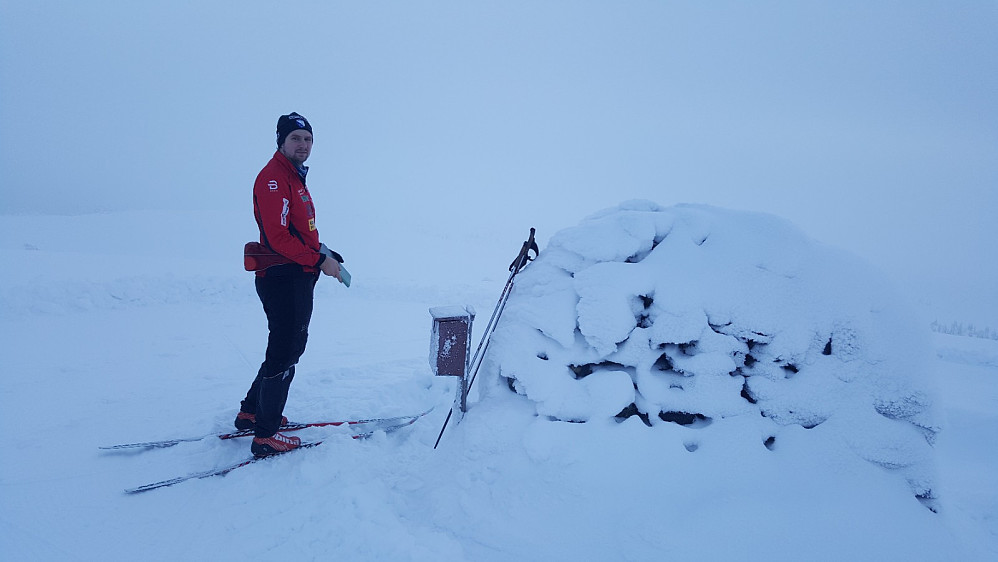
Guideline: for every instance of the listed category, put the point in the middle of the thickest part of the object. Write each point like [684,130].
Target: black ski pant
[287,301]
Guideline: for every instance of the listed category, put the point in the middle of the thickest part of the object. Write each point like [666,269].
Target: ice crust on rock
[702,316]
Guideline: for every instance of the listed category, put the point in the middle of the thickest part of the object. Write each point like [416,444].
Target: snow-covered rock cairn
[699,316]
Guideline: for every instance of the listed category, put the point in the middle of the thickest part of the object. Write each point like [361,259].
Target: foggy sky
[871,125]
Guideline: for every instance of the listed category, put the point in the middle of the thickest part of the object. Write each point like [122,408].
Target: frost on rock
[695,315]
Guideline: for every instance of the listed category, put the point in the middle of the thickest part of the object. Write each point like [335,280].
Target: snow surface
[111,338]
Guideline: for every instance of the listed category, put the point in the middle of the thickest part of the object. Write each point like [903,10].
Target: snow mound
[699,316]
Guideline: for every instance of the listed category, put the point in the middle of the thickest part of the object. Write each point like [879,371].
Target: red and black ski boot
[277,443]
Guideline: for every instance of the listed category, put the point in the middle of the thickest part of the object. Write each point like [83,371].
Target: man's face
[297,146]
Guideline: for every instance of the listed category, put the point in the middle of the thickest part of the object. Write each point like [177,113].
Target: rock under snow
[700,316]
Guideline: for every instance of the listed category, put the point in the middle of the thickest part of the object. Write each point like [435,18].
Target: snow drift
[704,317]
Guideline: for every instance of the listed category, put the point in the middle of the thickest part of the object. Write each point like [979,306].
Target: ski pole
[519,263]
[483,343]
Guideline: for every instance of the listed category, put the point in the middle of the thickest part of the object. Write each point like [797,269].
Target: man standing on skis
[286,218]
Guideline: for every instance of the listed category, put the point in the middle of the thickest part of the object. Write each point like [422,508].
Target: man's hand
[330,267]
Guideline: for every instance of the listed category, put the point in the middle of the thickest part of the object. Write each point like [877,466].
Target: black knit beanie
[286,124]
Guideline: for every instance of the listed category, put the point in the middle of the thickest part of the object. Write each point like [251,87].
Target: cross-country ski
[212,472]
[293,426]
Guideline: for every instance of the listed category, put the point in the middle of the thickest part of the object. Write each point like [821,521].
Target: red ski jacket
[285,214]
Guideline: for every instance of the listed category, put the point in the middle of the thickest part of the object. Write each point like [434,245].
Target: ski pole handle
[524,256]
